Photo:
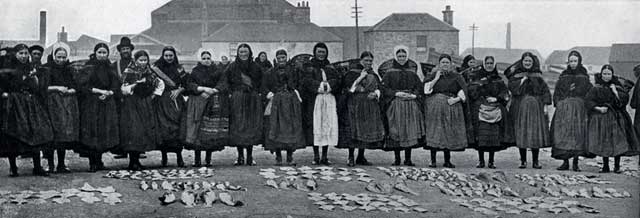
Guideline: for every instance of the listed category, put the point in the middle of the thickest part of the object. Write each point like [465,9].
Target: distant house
[502,55]
[141,41]
[592,58]
[623,58]
[348,35]
[81,48]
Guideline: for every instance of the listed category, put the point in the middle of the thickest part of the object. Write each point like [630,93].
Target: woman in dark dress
[610,132]
[443,111]
[170,106]
[205,125]
[320,120]
[402,88]
[635,101]
[99,124]
[263,61]
[469,65]
[26,124]
[529,108]
[569,124]
[243,79]
[363,92]
[62,105]
[284,123]
[488,95]
[139,130]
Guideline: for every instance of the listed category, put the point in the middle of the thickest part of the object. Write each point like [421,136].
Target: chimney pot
[447,15]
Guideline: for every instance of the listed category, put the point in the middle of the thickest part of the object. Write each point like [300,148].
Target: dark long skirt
[99,125]
[170,113]
[65,117]
[445,125]
[489,137]
[246,119]
[26,122]
[206,123]
[406,125]
[569,129]
[611,134]
[284,126]
[365,119]
[530,125]
[139,131]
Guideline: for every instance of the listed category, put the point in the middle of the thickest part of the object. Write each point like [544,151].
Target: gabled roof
[412,22]
[272,32]
[85,42]
[625,53]
[184,36]
[591,55]
[502,55]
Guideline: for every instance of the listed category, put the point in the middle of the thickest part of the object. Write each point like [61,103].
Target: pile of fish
[305,178]
[385,187]
[628,165]
[156,175]
[205,197]
[534,205]
[443,175]
[86,193]
[365,202]
[194,193]
[190,186]
[556,179]
[586,193]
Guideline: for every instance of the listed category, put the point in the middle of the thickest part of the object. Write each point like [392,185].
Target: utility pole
[356,14]
[473,29]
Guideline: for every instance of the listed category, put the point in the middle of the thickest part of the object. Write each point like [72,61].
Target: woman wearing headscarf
[62,105]
[467,68]
[401,90]
[529,108]
[569,124]
[98,86]
[320,119]
[170,106]
[26,124]
[363,87]
[284,111]
[263,61]
[443,111]
[243,79]
[610,132]
[205,126]
[139,129]
[488,96]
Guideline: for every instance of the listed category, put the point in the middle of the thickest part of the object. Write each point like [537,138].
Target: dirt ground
[263,201]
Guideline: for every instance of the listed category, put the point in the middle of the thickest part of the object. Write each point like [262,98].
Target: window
[232,50]
[421,43]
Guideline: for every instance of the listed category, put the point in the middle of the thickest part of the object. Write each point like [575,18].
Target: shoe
[536,165]
[480,165]
[576,169]
[605,170]
[143,156]
[164,162]
[433,165]
[92,168]
[278,161]
[239,162]
[325,162]
[181,164]
[449,165]
[396,163]
[197,165]
[13,173]
[207,165]
[120,156]
[409,163]
[350,163]
[363,162]
[491,166]
[617,170]
[564,166]
[291,163]
[523,165]
[62,169]
[40,172]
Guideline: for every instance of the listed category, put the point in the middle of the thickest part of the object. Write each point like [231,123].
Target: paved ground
[263,201]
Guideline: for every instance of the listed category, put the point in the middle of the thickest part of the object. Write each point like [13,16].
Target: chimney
[302,13]
[62,36]
[43,27]
[447,15]
[509,35]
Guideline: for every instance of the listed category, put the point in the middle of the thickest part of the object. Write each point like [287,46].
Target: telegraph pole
[356,14]
[473,29]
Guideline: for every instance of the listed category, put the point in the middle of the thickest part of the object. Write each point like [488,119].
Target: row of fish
[157,175]
[206,198]
[365,202]
[189,185]
[86,193]
[559,180]
[594,192]
[515,206]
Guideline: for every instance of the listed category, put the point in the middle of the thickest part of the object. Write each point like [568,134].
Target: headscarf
[279,52]
[203,51]
[163,62]
[579,69]
[397,49]
[95,49]
[614,78]
[490,74]
[320,63]
[535,67]
[465,62]
[55,48]
[36,47]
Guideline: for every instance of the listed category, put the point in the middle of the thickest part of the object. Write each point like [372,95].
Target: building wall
[293,48]
[382,44]
[624,69]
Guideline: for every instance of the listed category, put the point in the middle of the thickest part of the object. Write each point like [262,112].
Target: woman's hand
[492,99]
[270,95]
[452,101]
[5,95]
[176,92]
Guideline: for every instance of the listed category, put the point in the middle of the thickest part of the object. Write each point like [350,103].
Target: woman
[171,104]
[529,109]
[243,79]
[467,68]
[284,123]
[26,124]
[62,105]
[139,130]
[321,83]
[488,95]
[569,125]
[263,61]
[99,126]
[635,100]
[610,132]
[402,87]
[443,111]
[205,126]
[362,89]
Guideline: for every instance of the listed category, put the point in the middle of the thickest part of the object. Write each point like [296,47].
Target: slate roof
[412,22]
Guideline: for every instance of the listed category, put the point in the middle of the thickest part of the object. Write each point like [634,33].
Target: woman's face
[281,59]
[169,56]
[205,59]
[263,57]
[489,65]
[472,63]
[607,75]
[243,53]
[445,63]
[142,61]
[102,54]
[60,56]
[401,57]
[573,62]
[527,62]
[23,55]
[321,54]
[367,62]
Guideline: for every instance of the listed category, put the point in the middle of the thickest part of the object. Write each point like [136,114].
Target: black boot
[316,155]
[290,161]
[351,162]
[616,165]
[164,159]
[564,166]
[13,167]
[250,161]
[433,154]
[48,154]
[361,160]
[396,154]
[325,160]
[605,165]
[491,165]
[240,160]
[179,160]
[92,163]
[480,159]
[535,152]
[62,167]
[207,158]
[447,160]
[99,163]
[278,157]
[576,168]
[197,158]
[37,168]
[134,162]
[407,158]
[523,158]
[138,164]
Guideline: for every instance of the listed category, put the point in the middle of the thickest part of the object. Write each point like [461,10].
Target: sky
[543,25]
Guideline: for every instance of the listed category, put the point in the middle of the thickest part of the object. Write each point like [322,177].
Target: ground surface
[263,201]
